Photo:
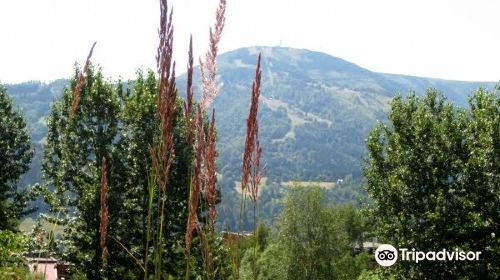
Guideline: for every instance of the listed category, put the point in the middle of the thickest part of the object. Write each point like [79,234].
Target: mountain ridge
[316,110]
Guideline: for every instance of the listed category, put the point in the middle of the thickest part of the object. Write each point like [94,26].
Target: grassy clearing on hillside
[309,184]
[262,185]
[28,224]
[291,184]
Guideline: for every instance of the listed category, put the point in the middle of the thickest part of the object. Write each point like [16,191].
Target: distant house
[233,236]
[367,246]
[44,266]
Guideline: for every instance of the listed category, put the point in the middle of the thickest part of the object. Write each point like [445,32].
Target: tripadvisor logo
[387,255]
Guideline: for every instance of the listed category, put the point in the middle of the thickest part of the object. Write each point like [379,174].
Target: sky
[450,39]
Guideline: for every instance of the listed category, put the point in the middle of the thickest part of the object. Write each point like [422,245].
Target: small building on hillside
[367,246]
[44,266]
[50,268]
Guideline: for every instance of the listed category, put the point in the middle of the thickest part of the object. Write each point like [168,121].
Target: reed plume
[166,97]
[197,178]
[208,68]
[188,103]
[81,80]
[203,175]
[162,153]
[251,170]
[103,228]
[210,156]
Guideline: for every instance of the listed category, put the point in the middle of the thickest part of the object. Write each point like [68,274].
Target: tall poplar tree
[73,152]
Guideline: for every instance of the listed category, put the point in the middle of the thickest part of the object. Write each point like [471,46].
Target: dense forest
[298,167]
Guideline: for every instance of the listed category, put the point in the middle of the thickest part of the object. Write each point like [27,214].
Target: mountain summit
[316,110]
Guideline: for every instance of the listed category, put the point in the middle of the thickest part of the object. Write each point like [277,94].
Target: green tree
[15,158]
[139,129]
[72,164]
[12,247]
[315,241]
[310,236]
[433,174]
[117,123]
[12,261]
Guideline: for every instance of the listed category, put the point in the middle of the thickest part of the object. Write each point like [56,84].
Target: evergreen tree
[15,158]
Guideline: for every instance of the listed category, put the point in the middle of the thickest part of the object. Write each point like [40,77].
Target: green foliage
[262,234]
[268,264]
[12,247]
[314,241]
[40,243]
[252,252]
[319,238]
[17,273]
[34,99]
[15,157]
[117,123]
[271,199]
[12,261]
[72,164]
[433,174]
[138,117]
[310,235]
[140,129]
[220,254]
[376,274]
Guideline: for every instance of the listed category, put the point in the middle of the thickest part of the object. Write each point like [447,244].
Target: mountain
[315,112]
[34,99]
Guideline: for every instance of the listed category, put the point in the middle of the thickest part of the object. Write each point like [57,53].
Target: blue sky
[41,39]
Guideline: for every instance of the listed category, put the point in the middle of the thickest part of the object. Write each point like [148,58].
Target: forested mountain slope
[315,113]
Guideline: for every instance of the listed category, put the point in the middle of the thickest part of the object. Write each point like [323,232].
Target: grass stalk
[151,188]
[159,245]
[188,252]
[104,215]
[137,261]
[254,266]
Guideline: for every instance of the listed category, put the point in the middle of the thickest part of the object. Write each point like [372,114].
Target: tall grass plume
[251,170]
[79,84]
[162,152]
[208,68]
